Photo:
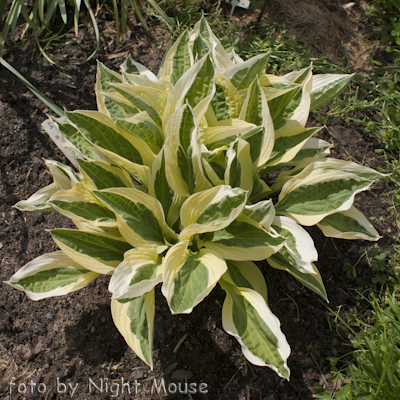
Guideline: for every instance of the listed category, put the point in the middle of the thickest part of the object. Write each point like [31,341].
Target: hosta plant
[173,189]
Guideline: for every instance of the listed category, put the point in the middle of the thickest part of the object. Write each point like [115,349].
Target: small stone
[170,369]
[308,362]
[103,319]
[211,324]
[137,374]
[40,346]
[181,375]
[93,329]
[24,351]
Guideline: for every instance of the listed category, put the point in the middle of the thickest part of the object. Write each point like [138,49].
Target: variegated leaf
[132,67]
[86,226]
[226,103]
[142,127]
[148,99]
[314,194]
[326,87]
[349,224]
[300,114]
[140,271]
[134,318]
[243,74]
[95,252]
[298,77]
[183,166]
[189,277]
[288,142]
[298,243]
[74,136]
[247,317]
[104,77]
[99,175]
[223,135]
[117,105]
[310,277]
[79,203]
[307,165]
[244,239]
[246,274]
[50,275]
[211,210]
[313,147]
[177,60]
[196,88]
[282,107]
[260,189]
[262,212]
[255,110]
[221,58]
[140,217]
[64,176]
[181,60]
[239,166]
[143,80]
[160,189]
[38,200]
[126,150]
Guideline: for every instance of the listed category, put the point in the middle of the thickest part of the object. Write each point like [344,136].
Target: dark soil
[73,340]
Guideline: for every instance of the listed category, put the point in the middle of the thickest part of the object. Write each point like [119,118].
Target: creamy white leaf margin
[134,259]
[46,262]
[195,206]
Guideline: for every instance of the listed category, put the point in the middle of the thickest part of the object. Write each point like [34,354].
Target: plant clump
[170,191]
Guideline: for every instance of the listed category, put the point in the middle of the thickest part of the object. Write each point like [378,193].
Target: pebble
[308,362]
[170,368]
[181,375]
[137,374]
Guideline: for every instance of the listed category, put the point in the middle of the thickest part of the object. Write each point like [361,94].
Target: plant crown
[170,190]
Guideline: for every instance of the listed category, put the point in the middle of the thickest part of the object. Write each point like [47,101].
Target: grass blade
[49,14]
[63,10]
[41,10]
[95,26]
[169,21]
[32,24]
[32,88]
[12,15]
[15,19]
[139,15]
[117,25]
[2,7]
[76,16]
[124,14]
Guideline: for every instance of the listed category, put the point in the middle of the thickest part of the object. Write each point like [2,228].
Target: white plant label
[238,3]
[69,150]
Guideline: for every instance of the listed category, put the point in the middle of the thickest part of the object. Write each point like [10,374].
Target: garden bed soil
[72,339]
